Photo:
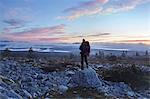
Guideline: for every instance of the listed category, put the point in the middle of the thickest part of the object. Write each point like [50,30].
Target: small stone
[130,93]
[39,77]
[27,93]
[35,95]
[63,88]
[74,92]
[69,73]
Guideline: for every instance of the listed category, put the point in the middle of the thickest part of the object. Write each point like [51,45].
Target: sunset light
[71,20]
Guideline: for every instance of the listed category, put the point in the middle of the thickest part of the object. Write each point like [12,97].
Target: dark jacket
[85,48]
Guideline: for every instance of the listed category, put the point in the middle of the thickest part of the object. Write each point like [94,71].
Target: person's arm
[80,47]
[89,49]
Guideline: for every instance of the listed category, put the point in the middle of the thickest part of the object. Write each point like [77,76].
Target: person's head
[83,40]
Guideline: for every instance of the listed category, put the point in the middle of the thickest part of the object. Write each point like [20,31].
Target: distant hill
[5,41]
[76,43]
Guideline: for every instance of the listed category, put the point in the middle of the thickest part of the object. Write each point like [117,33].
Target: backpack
[85,47]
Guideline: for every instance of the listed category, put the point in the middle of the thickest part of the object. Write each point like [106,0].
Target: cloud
[84,12]
[43,31]
[84,5]
[100,7]
[54,39]
[71,38]
[14,22]
[84,9]
[123,5]
[79,37]
[19,13]
[16,17]
[100,34]
[136,41]
[92,35]
[36,33]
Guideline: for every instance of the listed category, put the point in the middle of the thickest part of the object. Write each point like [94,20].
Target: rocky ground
[28,78]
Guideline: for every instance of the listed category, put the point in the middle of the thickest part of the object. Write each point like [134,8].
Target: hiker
[85,51]
[30,52]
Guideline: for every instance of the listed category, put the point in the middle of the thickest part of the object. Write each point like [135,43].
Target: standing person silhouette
[85,51]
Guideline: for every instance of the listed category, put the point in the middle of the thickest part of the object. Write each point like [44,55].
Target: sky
[112,21]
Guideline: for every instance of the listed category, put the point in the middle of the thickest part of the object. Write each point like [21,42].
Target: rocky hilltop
[23,80]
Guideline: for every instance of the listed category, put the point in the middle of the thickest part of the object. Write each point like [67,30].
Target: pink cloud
[118,6]
[84,9]
[135,41]
[35,33]
[84,5]
[54,39]
[84,12]
[71,38]
[90,4]
[100,7]
[45,31]
[92,35]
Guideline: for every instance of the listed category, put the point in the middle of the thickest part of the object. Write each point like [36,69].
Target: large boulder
[89,78]
[86,78]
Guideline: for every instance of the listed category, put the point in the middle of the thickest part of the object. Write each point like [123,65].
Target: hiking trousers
[83,58]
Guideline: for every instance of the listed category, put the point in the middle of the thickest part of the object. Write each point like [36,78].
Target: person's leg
[86,61]
[82,61]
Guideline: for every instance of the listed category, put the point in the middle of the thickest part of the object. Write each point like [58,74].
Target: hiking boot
[82,68]
[87,66]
